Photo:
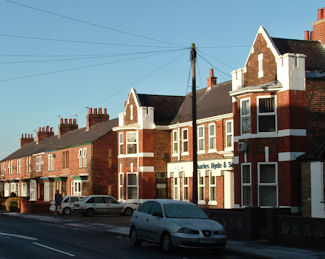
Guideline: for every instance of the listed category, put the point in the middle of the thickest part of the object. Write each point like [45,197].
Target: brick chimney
[212,80]
[25,139]
[318,32]
[67,125]
[43,133]
[94,117]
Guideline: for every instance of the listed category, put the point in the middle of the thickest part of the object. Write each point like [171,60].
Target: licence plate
[205,240]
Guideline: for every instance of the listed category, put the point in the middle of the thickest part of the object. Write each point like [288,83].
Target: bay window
[266,114]
[246,182]
[132,186]
[131,142]
[267,184]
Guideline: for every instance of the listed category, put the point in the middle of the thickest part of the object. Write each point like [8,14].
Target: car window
[184,210]
[145,207]
[110,200]
[91,200]
[156,208]
[73,199]
[99,200]
[66,200]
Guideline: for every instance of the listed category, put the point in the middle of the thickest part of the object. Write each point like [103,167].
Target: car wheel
[134,237]
[166,243]
[90,212]
[67,211]
[128,211]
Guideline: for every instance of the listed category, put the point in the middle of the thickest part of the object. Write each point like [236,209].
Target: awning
[80,177]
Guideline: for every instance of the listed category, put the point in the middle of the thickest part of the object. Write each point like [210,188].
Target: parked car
[67,204]
[97,204]
[175,223]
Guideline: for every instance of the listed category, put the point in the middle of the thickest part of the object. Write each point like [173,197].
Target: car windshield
[184,211]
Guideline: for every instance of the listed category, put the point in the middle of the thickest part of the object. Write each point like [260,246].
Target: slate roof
[209,103]
[314,50]
[69,139]
[165,106]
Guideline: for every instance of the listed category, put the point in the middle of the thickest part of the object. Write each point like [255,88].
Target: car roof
[169,201]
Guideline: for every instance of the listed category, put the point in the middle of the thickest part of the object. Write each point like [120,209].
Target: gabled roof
[314,51]
[209,102]
[166,107]
[69,139]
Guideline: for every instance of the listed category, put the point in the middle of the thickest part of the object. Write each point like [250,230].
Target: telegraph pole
[194,132]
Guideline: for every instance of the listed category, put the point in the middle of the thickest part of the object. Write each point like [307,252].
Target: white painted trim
[146,169]
[292,132]
[280,133]
[147,154]
[266,148]
[236,160]
[127,156]
[134,126]
[289,156]
[317,189]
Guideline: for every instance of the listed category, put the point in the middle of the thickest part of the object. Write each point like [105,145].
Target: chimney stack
[307,35]
[25,139]
[43,133]
[212,80]
[67,125]
[318,32]
[93,117]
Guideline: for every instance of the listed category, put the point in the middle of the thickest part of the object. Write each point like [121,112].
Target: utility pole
[194,132]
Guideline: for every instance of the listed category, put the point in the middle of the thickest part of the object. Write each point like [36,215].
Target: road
[24,238]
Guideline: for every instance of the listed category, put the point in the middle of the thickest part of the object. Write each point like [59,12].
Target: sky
[57,58]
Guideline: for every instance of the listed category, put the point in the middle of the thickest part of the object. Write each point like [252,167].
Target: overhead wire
[218,60]
[90,23]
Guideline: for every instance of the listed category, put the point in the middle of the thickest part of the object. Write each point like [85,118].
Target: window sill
[212,203]
[201,202]
[212,151]
[201,152]
[185,154]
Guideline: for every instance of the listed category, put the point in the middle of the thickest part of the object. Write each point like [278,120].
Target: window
[24,189]
[229,135]
[200,186]
[175,142]
[65,159]
[2,172]
[185,188]
[131,142]
[46,191]
[28,165]
[121,183]
[84,157]
[176,188]
[200,137]
[10,167]
[39,163]
[245,116]
[6,189]
[246,181]
[19,166]
[260,65]
[212,187]
[76,188]
[80,157]
[266,114]
[132,186]
[131,112]
[185,141]
[121,142]
[212,136]
[32,190]
[267,184]
[50,162]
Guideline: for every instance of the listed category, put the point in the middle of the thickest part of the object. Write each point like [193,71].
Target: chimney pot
[39,129]
[320,14]
[100,110]
[95,111]
[61,121]
[211,72]
[90,111]
[70,121]
[306,35]
[65,121]
[74,121]
[47,128]
[105,110]
[51,129]
[43,129]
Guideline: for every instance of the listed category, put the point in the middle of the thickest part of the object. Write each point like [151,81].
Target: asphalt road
[24,238]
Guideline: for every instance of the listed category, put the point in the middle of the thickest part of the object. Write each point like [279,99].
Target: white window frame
[185,142]
[10,167]
[176,189]
[50,162]
[212,186]
[80,157]
[24,189]
[201,174]
[132,143]
[245,116]
[131,112]
[84,157]
[18,166]
[246,184]
[76,187]
[186,187]
[200,150]
[212,137]
[32,190]
[175,142]
[260,65]
[229,134]
[46,191]
[121,186]
[28,165]
[6,189]
[274,113]
[121,143]
[39,163]
[132,186]
[2,172]
[267,184]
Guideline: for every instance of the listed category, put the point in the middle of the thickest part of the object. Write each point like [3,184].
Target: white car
[98,204]
[67,204]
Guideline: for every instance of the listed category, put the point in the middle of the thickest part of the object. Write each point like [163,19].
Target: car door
[112,205]
[154,221]
[100,205]
[140,219]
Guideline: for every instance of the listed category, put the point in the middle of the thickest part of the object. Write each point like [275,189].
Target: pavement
[120,225]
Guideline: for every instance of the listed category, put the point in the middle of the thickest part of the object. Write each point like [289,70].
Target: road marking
[20,236]
[51,248]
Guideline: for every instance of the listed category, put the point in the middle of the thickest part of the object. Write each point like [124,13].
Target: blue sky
[59,57]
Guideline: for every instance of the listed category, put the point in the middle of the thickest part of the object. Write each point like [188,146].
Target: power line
[75,68]
[90,23]
[226,46]
[218,60]
[213,65]
[78,41]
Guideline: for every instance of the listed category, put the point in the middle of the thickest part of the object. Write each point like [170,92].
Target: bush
[12,204]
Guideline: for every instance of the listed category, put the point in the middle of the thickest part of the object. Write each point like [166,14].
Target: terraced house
[75,162]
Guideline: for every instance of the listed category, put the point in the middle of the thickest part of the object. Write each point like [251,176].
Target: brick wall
[127,116]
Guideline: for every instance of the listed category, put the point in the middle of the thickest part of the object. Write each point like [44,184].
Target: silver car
[175,223]
[99,204]
[67,204]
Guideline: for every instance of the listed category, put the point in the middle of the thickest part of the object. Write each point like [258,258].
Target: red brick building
[75,162]
[278,116]
[155,146]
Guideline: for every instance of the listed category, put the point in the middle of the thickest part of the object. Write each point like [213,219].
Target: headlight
[220,232]
[187,231]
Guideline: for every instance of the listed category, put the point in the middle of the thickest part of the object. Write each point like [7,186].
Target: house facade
[278,117]
[75,162]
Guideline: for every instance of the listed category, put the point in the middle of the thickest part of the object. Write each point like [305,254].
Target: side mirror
[157,214]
